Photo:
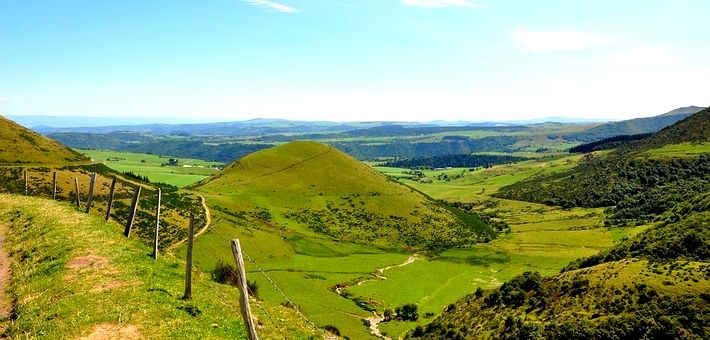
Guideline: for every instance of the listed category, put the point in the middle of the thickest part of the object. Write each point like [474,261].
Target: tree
[408,312]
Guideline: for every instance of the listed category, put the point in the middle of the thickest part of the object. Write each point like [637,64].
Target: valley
[354,170]
[343,243]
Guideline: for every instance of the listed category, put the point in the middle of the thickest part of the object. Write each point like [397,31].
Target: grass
[19,145]
[176,205]
[480,183]
[188,171]
[682,150]
[74,274]
[672,295]
[313,188]
[307,265]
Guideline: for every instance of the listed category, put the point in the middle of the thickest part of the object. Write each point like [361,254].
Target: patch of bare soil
[114,285]
[107,331]
[87,263]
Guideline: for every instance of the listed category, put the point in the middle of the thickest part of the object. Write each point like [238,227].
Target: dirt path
[376,319]
[290,166]
[5,303]
[208,217]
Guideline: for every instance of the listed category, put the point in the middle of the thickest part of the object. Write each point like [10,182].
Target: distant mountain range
[255,127]
[637,125]
[51,124]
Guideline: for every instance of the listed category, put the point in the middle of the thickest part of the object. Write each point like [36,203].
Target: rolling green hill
[19,145]
[314,187]
[653,286]
[678,155]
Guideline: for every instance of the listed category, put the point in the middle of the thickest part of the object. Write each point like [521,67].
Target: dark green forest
[455,161]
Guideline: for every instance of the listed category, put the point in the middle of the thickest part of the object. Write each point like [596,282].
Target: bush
[225,273]
[408,312]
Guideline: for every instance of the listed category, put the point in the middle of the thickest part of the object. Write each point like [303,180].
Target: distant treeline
[192,147]
[404,149]
[608,143]
[224,149]
[454,161]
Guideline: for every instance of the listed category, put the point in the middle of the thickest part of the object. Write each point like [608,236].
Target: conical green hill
[316,188]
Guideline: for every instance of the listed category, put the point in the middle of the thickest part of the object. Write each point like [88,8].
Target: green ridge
[19,145]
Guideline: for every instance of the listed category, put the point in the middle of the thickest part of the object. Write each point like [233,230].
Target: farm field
[186,172]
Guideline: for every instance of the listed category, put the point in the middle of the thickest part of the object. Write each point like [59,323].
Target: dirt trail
[376,319]
[5,303]
[208,218]
[290,166]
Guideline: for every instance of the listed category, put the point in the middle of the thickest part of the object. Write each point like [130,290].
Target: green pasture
[682,150]
[188,171]
[543,239]
[307,266]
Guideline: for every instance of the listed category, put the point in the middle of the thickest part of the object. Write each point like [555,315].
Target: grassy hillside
[19,145]
[675,154]
[313,187]
[654,285]
[628,299]
[176,204]
[74,275]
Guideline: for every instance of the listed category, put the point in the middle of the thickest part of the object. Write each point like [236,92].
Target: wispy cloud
[441,3]
[557,41]
[4,99]
[272,5]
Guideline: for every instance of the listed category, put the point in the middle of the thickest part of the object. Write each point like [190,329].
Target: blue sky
[173,60]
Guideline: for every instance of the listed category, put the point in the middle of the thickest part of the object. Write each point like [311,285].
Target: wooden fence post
[110,198]
[76,188]
[157,228]
[132,212]
[26,186]
[90,198]
[54,185]
[188,266]
[243,290]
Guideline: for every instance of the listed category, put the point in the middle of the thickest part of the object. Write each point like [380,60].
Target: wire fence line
[268,315]
[276,287]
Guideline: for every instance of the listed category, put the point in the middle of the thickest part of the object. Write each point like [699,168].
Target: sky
[357,60]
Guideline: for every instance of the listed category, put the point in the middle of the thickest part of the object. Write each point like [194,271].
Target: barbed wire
[278,289]
[269,317]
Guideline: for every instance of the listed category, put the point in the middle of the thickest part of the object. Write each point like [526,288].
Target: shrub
[408,312]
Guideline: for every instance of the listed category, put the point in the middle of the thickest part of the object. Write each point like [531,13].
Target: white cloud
[4,99]
[441,3]
[557,41]
[272,5]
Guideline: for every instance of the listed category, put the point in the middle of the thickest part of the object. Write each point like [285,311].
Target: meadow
[187,171]
[308,266]
[681,150]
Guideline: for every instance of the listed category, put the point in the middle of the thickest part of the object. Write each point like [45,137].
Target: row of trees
[455,161]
